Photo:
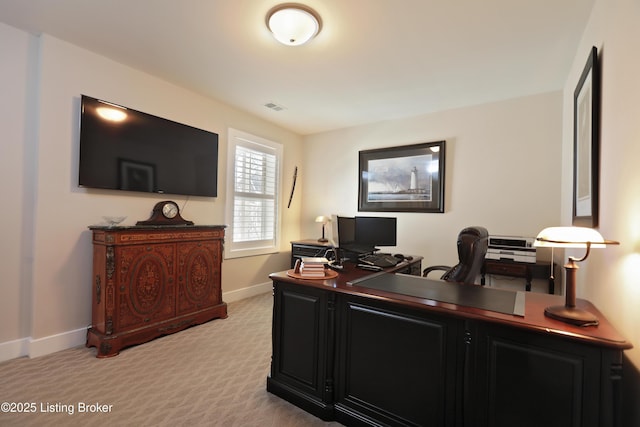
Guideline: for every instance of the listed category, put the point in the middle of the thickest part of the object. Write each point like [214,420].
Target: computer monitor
[375,231]
[345,231]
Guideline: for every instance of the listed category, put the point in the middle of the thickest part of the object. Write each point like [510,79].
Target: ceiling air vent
[274,107]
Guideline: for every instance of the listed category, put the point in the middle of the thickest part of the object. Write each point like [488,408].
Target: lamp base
[572,315]
[323,240]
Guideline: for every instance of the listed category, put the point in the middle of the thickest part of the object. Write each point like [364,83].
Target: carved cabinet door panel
[198,275]
[147,281]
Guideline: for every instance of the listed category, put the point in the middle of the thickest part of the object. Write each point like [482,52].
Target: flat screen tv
[125,149]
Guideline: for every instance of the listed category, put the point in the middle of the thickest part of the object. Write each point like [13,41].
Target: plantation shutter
[255,192]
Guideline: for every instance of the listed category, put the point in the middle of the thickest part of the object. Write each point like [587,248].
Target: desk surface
[603,335]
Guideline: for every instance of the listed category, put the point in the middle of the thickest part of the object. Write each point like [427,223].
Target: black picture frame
[408,178]
[586,145]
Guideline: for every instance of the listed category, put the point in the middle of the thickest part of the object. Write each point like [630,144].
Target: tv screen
[375,231]
[125,149]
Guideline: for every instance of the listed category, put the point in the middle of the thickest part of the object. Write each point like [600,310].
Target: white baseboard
[39,347]
[54,343]
[14,349]
[247,292]
[28,347]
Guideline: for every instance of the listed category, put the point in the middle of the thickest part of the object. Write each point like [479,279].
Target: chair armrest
[428,270]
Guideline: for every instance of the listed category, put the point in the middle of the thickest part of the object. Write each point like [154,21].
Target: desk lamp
[571,237]
[324,220]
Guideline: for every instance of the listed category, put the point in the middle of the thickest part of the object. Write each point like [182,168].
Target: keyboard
[379,260]
[359,249]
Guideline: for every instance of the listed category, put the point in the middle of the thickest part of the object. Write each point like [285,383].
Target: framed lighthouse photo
[408,178]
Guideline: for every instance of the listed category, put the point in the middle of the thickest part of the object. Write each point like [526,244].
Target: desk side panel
[531,380]
[396,366]
[299,371]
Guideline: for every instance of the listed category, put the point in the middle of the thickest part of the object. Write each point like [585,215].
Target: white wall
[46,299]
[610,278]
[15,62]
[502,172]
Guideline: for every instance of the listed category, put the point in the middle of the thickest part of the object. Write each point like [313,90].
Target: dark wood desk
[363,356]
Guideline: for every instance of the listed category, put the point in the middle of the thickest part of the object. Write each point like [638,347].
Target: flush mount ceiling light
[293,24]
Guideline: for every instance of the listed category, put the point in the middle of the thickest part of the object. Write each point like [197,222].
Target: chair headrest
[477,231]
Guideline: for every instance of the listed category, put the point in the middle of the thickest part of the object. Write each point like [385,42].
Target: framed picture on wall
[586,144]
[407,178]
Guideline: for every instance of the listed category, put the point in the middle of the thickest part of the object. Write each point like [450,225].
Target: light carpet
[208,375]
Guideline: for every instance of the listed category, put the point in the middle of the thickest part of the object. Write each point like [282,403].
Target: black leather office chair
[472,248]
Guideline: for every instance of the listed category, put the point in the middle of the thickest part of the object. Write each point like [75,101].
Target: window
[253,194]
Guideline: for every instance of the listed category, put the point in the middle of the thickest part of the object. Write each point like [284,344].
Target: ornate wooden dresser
[150,281]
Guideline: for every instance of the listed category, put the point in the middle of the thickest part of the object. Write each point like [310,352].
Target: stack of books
[313,268]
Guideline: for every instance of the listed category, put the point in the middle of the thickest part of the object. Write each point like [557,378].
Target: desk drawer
[517,270]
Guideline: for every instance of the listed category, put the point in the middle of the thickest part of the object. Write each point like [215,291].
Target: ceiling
[373,60]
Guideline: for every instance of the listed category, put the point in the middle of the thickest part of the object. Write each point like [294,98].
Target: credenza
[150,281]
[376,356]
[525,270]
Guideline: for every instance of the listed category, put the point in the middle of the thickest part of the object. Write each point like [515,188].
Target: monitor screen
[375,231]
[345,230]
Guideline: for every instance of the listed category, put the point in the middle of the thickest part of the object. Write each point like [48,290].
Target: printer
[512,248]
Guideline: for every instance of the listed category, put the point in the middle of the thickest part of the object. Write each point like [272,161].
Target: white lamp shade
[570,237]
[323,219]
[292,25]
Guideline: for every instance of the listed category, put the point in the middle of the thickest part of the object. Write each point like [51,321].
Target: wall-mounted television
[125,149]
